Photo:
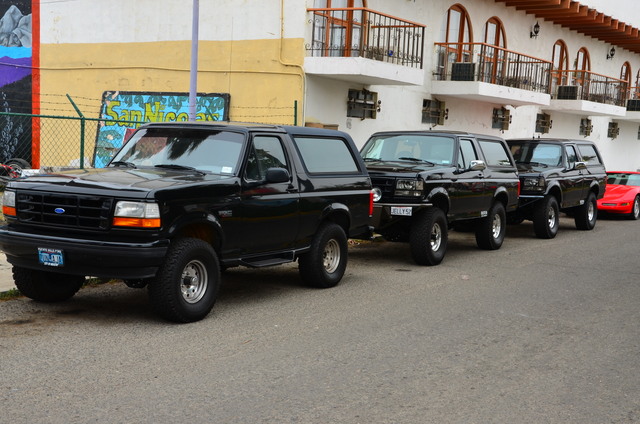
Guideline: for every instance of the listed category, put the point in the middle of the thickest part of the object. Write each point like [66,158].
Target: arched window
[624,89]
[342,34]
[492,58]
[560,61]
[636,91]
[582,67]
[456,32]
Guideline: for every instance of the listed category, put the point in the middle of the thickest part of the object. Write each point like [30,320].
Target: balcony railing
[587,85]
[491,64]
[361,32]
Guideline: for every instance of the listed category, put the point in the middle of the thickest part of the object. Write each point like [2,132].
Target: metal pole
[193,81]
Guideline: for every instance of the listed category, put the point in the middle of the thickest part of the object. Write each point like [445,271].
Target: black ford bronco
[558,175]
[181,201]
[425,182]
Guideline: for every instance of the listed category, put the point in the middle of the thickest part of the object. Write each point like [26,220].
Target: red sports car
[622,195]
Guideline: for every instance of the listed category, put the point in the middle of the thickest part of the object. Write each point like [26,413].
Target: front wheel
[186,286]
[428,238]
[46,286]
[635,211]
[587,214]
[546,217]
[325,263]
[491,229]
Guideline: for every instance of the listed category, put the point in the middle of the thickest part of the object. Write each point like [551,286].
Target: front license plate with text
[401,210]
[50,257]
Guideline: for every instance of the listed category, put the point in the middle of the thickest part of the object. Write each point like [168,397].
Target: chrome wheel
[636,208]
[496,226]
[552,218]
[591,211]
[194,281]
[331,256]
[436,237]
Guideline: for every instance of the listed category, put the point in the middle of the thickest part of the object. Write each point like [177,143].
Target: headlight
[409,187]
[9,203]
[377,194]
[537,184]
[136,214]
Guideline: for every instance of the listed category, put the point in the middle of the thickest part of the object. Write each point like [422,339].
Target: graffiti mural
[16,88]
[122,112]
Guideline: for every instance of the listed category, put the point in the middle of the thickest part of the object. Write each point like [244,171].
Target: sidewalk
[6,277]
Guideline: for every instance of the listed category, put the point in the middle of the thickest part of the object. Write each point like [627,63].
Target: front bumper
[385,214]
[122,260]
[615,208]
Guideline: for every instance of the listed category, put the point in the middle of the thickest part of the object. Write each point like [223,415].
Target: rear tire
[546,218]
[325,263]
[428,238]
[45,286]
[587,214]
[186,286]
[492,229]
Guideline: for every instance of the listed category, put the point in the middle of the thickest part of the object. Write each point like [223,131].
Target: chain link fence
[60,142]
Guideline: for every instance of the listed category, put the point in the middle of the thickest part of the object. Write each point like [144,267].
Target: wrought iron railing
[492,64]
[587,85]
[361,32]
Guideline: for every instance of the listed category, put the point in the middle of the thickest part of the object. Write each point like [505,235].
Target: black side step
[267,260]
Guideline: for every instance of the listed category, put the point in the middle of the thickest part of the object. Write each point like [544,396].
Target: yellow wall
[263,78]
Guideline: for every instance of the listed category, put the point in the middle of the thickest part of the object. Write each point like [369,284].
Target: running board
[269,260]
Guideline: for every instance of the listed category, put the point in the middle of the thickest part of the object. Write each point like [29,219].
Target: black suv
[181,201]
[426,181]
[557,175]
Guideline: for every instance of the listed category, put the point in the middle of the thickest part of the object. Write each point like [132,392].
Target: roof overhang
[575,16]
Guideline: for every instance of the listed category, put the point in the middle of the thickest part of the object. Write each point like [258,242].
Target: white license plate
[50,257]
[401,210]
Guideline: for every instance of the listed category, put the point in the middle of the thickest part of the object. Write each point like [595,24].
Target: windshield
[418,149]
[537,155]
[623,178]
[203,150]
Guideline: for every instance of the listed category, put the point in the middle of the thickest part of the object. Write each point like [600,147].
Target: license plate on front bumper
[50,257]
[402,210]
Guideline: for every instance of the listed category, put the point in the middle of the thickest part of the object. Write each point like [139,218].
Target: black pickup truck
[426,181]
[181,201]
[558,175]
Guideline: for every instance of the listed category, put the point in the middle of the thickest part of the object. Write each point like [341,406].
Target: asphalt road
[541,331]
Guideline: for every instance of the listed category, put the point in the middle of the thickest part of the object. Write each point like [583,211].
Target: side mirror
[580,165]
[277,175]
[477,165]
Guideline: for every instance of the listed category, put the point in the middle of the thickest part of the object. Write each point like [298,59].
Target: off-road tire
[491,229]
[428,238]
[586,215]
[546,218]
[325,263]
[46,286]
[186,286]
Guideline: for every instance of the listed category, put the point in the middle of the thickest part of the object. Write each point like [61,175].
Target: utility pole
[193,80]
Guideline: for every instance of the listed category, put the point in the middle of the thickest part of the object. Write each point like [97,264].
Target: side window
[495,153]
[326,155]
[589,154]
[466,154]
[266,152]
[571,157]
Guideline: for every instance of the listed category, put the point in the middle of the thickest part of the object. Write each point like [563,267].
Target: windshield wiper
[417,160]
[540,164]
[181,167]
[123,163]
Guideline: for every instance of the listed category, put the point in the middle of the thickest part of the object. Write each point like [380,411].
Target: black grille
[386,185]
[62,210]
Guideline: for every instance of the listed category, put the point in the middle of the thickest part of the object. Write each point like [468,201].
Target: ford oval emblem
[59,210]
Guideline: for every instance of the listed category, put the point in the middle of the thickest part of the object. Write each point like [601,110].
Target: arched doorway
[492,54]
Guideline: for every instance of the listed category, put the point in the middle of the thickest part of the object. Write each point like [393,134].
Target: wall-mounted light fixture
[611,53]
[535,31]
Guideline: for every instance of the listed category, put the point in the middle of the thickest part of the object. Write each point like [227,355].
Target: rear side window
[495,153]
[467,154]
[589,154]
[326,155]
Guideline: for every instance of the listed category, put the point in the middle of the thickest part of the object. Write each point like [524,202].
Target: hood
[402,169]
[141,180]
[621,192]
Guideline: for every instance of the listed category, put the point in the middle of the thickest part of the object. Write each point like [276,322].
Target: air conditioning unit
[568,92]
[633,105]
[461,71]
